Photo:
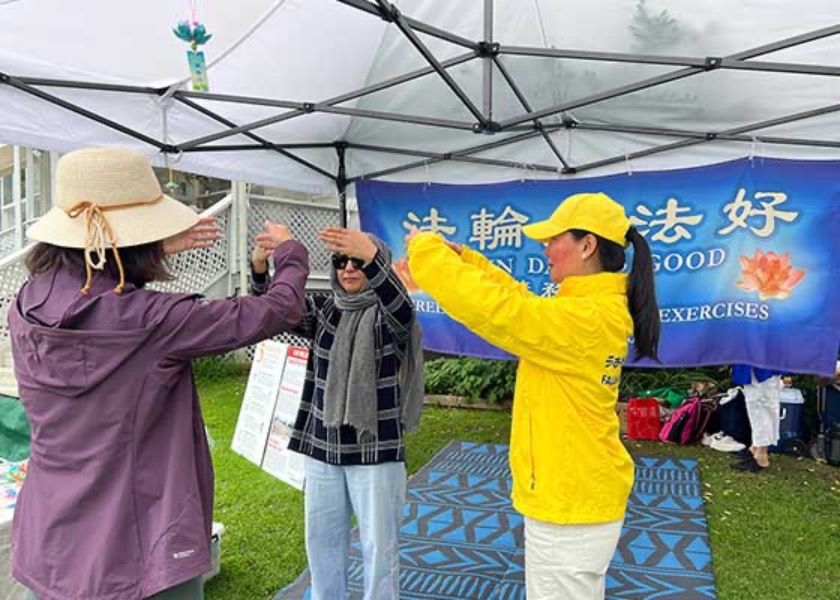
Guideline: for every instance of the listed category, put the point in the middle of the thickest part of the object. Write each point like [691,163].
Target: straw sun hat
[109,197]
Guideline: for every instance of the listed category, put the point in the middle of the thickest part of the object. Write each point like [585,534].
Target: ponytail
[641,294]
[641,298]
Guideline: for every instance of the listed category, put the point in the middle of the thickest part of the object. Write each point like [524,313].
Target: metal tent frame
[529,124]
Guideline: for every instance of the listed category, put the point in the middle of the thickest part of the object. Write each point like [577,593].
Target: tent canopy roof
[306,94]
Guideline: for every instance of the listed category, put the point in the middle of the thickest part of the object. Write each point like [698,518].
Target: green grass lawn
[774,535]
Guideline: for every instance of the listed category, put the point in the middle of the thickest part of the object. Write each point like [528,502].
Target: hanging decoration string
[251,31]
[195,34]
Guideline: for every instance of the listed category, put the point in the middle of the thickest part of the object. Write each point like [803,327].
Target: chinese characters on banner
[745,253]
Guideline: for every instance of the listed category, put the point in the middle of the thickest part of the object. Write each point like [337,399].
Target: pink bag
[687,423]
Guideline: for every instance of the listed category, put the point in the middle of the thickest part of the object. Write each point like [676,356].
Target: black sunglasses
[339,261]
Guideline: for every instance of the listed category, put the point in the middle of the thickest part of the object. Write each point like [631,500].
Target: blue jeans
[375,493]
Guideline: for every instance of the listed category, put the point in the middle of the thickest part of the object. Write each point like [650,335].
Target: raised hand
[453,246]
[273,235]
[348,241]
[201,235]
[413,231]
[259,259]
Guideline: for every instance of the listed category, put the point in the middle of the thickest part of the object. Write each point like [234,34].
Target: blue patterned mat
[461,538]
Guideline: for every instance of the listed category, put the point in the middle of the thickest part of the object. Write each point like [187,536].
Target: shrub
[473,378]
[635,380]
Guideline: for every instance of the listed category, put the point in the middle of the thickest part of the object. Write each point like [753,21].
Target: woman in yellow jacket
[571,473]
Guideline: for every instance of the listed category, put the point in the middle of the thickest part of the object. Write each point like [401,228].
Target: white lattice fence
[7,242]
[304,220]
[12,276]
[199,270]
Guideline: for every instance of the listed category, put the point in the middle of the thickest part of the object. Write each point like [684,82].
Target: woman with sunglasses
[571,474]
[364,389]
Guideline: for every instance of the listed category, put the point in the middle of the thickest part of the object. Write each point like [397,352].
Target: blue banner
[746,254]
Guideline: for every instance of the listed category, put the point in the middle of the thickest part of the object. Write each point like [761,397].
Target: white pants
[568,562]
[762,400]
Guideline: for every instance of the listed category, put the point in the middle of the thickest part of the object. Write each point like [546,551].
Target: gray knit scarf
[350,393]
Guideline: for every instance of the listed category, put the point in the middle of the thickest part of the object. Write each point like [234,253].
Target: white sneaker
[726,443]
[708,439]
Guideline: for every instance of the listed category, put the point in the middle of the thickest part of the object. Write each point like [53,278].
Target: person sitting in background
[364,389]
[118,501]
[762,395]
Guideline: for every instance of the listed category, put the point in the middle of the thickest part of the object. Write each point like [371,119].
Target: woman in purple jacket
[118,501]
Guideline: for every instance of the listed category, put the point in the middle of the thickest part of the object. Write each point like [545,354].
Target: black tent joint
[569,122]
[388,11]
[488,49]
[486,126]
[713,62]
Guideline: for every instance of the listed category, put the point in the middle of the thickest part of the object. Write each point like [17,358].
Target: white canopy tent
[312,95]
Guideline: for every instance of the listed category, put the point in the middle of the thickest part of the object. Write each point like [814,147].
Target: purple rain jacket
[118,501]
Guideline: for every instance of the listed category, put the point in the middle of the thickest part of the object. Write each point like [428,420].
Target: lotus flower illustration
[769,274]
[403,272]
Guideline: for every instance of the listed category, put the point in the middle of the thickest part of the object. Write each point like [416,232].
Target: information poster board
[269,409]
[252,427]
[281,462]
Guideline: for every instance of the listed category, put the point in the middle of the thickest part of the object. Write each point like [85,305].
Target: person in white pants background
[762,394]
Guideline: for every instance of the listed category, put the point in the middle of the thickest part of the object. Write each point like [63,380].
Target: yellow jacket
[567,461]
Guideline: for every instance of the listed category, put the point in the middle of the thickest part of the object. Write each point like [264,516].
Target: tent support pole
[266,144]
[90,85]
[378,87]
[526,105]
[453,157]
[461,153]
[675,75]
[678,61]
[393,14]
[307,107]
[341,183]
[711,137]
[33,91]
[373,9]
[488,60]
[682,133]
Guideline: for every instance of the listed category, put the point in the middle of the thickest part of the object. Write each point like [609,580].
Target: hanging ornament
[171,186]
[195,34]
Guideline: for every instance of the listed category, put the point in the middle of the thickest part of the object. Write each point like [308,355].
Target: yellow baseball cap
[593,212]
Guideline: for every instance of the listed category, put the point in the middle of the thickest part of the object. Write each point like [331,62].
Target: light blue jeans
[375,493]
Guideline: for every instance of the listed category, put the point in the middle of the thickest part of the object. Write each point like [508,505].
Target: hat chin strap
[99,235]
